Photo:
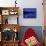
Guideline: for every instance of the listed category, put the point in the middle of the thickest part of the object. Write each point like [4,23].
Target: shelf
[11,41]
[10,26]
[5,12]
[9,11]
[10,19]
[4,8]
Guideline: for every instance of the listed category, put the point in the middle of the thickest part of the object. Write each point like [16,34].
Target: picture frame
[29,12]
[13,12]
[5,12]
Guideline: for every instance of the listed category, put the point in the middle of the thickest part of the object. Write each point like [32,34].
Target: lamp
[15,3]
[15,30]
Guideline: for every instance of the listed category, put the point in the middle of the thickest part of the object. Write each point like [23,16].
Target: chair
[29,33]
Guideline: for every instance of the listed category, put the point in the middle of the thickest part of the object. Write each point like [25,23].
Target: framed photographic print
[5,12]
[29,12]
[13,12]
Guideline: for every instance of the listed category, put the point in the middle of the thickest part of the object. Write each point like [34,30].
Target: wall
[32,4]
[27,4]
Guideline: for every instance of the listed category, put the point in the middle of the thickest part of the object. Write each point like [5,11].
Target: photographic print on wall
[29,12]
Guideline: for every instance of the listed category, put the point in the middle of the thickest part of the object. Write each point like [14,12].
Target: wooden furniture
[5,13]
[8,11]
[0,43]
[10,43]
